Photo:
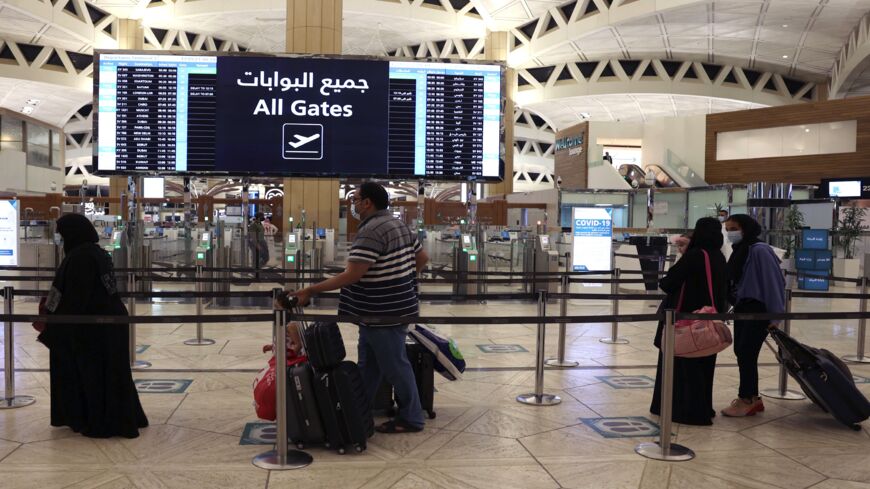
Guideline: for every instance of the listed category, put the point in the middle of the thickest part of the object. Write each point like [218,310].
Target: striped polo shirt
[389,287]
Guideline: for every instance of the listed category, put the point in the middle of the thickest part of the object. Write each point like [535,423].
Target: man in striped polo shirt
[381,279]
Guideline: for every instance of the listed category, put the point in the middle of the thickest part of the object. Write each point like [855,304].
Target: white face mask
[58,239]
[354,212]
[735,236]
[721,218]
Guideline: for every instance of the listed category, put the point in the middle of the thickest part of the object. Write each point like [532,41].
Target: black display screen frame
[256,173]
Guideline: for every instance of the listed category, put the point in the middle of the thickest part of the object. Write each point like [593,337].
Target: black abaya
[693,377]
[92,389]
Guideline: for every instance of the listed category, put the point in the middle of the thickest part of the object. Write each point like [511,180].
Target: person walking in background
[687,290]
[756,284]
[92,389]
[257,241]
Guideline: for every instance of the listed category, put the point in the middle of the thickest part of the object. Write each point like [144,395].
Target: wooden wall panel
[793,169]
[572,146]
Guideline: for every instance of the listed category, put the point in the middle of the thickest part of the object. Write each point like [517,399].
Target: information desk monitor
[545,242]
[296,116]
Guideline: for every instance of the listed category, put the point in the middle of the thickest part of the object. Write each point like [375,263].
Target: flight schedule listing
[163,113]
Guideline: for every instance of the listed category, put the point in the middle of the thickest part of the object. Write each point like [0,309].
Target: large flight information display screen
[240,115]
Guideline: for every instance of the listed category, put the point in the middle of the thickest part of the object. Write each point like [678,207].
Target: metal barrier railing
[283,458]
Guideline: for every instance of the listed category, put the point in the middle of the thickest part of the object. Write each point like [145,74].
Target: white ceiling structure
[627,60]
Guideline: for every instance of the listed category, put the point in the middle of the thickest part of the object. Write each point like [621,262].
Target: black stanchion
[281,458]
[539,398]
[859,357]
[10,400]
[782,391]
[131,308]
[664,449]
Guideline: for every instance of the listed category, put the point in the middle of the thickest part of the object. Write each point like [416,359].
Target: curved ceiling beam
[56,66]
[175,13]
[659,76]
[853,61]
[564,24]
[93,26]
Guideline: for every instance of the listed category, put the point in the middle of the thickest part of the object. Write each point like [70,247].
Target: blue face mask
[735,236]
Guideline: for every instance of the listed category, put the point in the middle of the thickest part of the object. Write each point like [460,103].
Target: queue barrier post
[663,449]
[614,338]
[199,340]
[10,400]
[281,458]
[782,391]
[862,329]
[560,361]
[539,398]
[131,337]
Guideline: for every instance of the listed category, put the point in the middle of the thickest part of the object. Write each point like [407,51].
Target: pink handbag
[701,338]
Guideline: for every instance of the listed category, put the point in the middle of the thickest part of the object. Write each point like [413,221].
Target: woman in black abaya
[693,377]
[92,388]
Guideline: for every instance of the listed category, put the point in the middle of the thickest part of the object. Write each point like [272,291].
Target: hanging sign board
[593,238]
[9,232]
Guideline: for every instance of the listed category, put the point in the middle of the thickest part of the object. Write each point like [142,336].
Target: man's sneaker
[741,407]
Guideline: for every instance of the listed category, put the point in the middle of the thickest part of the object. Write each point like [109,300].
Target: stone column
[130,36]
[496,49]
[313,27]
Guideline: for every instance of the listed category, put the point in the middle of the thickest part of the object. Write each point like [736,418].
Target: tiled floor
[481,437]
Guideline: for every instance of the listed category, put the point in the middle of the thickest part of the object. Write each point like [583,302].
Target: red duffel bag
[264,387]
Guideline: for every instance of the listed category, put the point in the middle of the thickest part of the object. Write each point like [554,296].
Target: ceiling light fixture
[27,109]
[785,26]
[584,115]
[34,102]
[784,56]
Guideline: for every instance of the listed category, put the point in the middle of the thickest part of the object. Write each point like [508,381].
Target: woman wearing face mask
[92,390]
[756,286]
[688,290]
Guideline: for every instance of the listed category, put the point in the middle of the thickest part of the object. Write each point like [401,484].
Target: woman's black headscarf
[76,230]
[707,234]
[740,251]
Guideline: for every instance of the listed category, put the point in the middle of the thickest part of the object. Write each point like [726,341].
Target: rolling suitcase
[324,345]
[423,363]
[824,378]
[345,413]
[303,418]
[344,407]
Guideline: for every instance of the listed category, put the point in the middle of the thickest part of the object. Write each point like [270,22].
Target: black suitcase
[303,417]
[344,407]
[423,363]
[825,379]
[324,345]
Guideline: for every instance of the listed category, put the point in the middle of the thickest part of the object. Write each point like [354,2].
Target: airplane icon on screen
[300,140]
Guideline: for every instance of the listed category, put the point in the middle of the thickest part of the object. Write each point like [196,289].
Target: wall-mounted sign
[593,238]
[9,232]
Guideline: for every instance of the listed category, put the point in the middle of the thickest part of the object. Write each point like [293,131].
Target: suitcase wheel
[431,414]
[341,451]
[856,427]
[359,449]
[300,446]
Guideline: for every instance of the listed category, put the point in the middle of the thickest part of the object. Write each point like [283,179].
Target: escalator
[663,179]
[634,175]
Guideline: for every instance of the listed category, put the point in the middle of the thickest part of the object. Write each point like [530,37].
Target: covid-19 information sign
[9,232]
[593,238]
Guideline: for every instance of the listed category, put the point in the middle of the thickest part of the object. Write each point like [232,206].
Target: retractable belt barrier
[661,450]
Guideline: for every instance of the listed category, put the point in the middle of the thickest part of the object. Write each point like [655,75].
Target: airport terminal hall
[434,244]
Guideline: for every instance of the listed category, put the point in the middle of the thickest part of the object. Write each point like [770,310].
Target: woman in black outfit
[693,377]
[92,388]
